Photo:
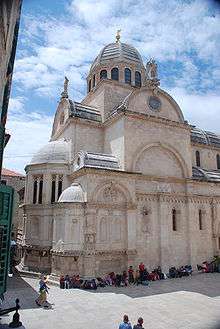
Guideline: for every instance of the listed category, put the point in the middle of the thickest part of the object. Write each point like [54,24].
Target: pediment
[159,104]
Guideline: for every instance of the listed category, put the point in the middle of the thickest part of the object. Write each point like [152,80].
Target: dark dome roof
[118,52]
[204,137]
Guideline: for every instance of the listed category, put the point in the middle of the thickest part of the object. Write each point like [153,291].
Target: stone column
[192,215]
[164,225]
[131,235]
[47,188]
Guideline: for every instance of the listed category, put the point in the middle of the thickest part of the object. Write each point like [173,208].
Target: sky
[60,38]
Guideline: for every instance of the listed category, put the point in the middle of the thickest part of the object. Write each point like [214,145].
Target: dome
[118,52]
[53,152]
[73,193]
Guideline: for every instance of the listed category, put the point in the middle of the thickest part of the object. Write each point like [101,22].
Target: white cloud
[29,131]
[200,110]
[165,30]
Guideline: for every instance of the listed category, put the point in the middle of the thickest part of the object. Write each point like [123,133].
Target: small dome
[73,193]
[117,52]
[53,152]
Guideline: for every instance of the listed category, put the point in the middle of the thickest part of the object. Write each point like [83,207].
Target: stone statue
[118,36]
[64,94]
[65,85]
[151,69]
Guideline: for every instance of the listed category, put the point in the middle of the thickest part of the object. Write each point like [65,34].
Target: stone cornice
[181,198]
[142,116]
[200,145]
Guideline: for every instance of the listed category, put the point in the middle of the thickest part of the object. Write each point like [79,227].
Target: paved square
[192,302]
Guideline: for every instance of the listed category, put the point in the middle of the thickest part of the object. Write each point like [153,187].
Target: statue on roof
[64,94]
[118,36]
[151,79]
[151,69]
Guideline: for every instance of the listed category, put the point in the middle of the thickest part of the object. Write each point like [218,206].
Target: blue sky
[61,37]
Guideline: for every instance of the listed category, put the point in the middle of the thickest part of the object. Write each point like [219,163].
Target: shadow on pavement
[19,288]
[206,284]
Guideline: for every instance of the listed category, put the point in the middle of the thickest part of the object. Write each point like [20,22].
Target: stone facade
[124,178]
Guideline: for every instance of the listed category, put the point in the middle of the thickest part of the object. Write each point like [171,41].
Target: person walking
[125,324]
[139,324]
[43,291]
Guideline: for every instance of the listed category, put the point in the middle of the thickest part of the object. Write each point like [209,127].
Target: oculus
[154,103]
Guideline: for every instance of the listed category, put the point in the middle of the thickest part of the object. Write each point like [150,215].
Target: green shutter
[6,204]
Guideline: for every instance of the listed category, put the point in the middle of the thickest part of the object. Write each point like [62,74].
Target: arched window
[93,81]
[103,74]
[53,189]
[114,73]
[90,85]
[60,186]
[197,159]
[218,161]
[40,192]
[200,220]
[35,191]
[127,75]
[137,79]
[174,220]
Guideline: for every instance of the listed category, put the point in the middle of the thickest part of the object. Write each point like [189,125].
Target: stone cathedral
[123,179]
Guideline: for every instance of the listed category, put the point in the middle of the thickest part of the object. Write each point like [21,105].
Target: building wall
[207,156]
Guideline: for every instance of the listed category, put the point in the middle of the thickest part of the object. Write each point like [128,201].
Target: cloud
[200,110]
[29,131]
[175,31]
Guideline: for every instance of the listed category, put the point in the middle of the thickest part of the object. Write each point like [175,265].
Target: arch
[137,79]
[127,74]
[115,74]
[198,162]
[103,74]
[218,161]
[112,185]
[168,148]
[178,113]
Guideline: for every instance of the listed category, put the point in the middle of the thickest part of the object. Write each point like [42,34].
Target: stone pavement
[185,303]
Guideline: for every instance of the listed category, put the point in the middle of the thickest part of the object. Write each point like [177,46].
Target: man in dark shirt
[139,324]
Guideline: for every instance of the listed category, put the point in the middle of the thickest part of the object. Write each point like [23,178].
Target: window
[56,187]
[127,76]
[40,192]
[35,191]
[93,81]
[137,79]
[60,185]
[200,219]
[53,191]
[89,85]
[197,159]
[218,161]
[114,73]
[103,74]
[174,220]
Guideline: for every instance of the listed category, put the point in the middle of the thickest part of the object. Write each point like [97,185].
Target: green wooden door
[6,205]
